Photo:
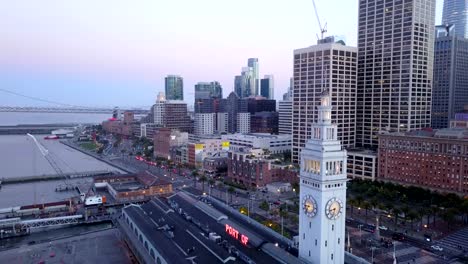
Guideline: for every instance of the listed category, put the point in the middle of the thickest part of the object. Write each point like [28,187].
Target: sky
[116,53]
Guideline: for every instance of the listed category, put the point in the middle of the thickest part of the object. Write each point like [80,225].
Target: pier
[55,177]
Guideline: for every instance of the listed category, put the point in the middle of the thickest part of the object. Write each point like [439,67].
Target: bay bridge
[75,110]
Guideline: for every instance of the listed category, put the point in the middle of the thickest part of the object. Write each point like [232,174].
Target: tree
[203,180]
[448,216]
[396,212]
[195,176]
[366,206]
[359,200]
[351,203]
[265,206]
[231,190]
[123,152]
[405,211]
[211,183]
[412,215]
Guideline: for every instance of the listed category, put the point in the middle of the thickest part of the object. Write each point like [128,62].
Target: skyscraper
[244,84]
[174,86]
[450,92]
[207,90]
[267,87]
[324,67]
[395,59]
[285,117]
[455,13]
[253,63]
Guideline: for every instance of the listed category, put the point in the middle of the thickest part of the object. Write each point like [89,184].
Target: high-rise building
[455,13]
[174,86]
[324,67]
[285,117]
[395,59]
[259,104]
[323,192]
[253,64]
[264,122]
[267,87]
[158,110]
[208,90]
[247,84]
[450,91]
[243,122]
[205,123]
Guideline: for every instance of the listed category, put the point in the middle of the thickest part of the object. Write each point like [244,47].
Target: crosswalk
[457,240]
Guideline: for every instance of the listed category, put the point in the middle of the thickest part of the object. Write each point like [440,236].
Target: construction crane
[323,29]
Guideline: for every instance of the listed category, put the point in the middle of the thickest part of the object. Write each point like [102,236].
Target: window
[316,242]
[325,243]
[333,227]
[332,256]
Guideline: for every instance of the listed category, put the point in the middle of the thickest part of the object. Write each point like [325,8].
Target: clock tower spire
[323,192]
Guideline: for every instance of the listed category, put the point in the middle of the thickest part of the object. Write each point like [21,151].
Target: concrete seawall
[95,156]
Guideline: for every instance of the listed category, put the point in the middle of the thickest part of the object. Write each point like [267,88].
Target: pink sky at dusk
[130,46]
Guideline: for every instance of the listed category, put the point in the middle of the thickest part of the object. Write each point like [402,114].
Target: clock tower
[323,192]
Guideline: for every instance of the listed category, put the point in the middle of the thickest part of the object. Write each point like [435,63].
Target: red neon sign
[235,234]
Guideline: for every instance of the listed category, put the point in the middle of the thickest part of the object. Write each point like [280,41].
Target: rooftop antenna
[323,29]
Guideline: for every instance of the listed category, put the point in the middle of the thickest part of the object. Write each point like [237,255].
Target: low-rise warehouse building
[134,187]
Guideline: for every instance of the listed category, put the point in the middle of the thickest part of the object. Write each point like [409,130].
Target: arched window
[152,253]
[146,245]
[158,261]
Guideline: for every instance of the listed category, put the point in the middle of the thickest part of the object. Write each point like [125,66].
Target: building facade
[324,67]
[323,192]
[273,143]
[267,87]
[264,122]
[205,123]
[455,12]
[395,67]
[243,122]
[165,139]
[175,116]
[436,160]
[174,87]
[207,90]
[285,117]
[450,91]
[254,65]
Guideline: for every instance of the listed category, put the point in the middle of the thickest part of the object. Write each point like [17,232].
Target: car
[398,236]
[438,248]
[383,227]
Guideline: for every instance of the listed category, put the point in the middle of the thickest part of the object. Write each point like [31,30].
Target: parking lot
[96,247]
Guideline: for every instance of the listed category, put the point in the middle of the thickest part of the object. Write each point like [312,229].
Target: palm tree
[405,211]
[396,212]
[412,215]
[211,182]
[351,203]
[195,175]
[203,180]
[231,190]
[366,206]
[449,215]
[359,200]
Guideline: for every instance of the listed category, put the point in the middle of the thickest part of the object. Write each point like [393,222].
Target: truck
[95,200]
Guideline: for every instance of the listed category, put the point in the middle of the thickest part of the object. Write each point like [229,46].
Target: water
[14,118]
[19,157]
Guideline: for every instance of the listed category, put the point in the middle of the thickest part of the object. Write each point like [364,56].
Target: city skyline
[130,51]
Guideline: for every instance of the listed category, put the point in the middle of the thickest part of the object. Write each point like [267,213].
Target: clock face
[334,208]
[309,205]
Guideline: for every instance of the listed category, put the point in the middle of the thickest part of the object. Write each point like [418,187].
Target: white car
[383,227]
[438,248]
